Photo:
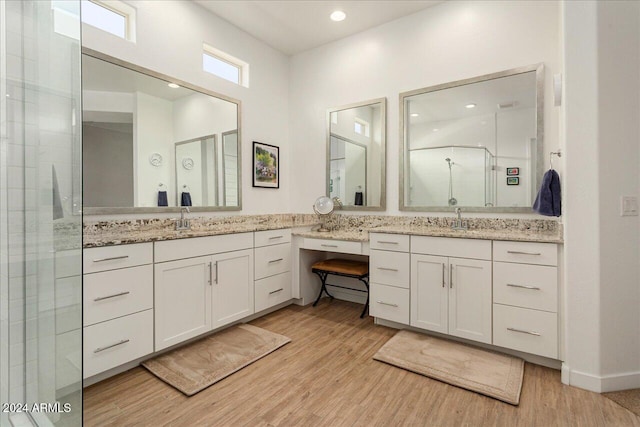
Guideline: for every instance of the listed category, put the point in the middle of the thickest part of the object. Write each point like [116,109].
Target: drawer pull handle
[533,288]
[386,242]
[450,276]
[443,268]
[276,260]
[275,237]
[523,332]
[329,246]
[276,291]
[113,258]
[387,269]
[98,350]
[112,296]
[387,303]
[523,253]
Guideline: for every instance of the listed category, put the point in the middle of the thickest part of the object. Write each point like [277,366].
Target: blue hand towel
[185,199]
[162,198]
[548,199]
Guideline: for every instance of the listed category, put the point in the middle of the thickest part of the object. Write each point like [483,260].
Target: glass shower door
[40,217]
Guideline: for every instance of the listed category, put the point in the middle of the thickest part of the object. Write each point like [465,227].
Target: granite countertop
[347,227]
[487,234]
[109,233]
[119,238]
[357,235]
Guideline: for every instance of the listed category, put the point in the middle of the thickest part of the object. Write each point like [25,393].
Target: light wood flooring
[326,377]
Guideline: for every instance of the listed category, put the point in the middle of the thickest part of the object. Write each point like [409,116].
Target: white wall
[602,107]
[153,133]
[447,42]
[169,40]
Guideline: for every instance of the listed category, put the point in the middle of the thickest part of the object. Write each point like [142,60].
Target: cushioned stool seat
[342,267]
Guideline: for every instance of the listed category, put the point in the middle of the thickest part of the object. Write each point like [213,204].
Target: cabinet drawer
[201,246]
[116,293]
[113,257]
[110,344]
[330,245]
[389,242]
[523,285]
[272,260]
[447,246]
[272,291]
[389,268]
[390,303]
[272,237]
[526,252]
[531,331]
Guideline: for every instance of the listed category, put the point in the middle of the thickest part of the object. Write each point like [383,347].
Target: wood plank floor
[326,377]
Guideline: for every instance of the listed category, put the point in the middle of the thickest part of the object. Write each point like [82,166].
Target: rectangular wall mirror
[356,140]
[476,144]
[152,143]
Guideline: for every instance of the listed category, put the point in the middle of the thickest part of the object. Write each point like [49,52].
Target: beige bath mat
[196,366]
[492,374]
[629,399]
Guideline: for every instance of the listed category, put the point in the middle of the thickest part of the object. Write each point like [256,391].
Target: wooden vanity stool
[346,268]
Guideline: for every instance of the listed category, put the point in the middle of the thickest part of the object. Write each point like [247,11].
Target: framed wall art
[266,165]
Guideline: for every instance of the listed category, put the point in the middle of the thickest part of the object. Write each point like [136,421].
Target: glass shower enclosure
[452,176]
[40,214]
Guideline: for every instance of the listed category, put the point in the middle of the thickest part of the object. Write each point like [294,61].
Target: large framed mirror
[356,157]
[476,144]
[152,143]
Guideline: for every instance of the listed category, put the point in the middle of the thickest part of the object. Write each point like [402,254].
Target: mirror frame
[540,164]
[383,149]
[143,210]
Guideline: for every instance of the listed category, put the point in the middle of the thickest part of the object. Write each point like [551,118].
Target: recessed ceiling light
[173,86]
[436,129]
[414,114]
[470,105]
[338,16]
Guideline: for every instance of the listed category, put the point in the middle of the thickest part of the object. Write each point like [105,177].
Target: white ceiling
[450,104]
[292,26]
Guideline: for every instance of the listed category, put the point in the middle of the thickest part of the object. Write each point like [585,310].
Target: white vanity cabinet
[389,277]
[211,287]
[451,286]
[273,260]
[525,297]
[182,300]
[117,305]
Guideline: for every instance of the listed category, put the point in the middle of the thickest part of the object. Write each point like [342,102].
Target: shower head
[448,160]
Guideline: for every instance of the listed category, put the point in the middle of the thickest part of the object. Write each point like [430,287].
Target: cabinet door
[232,296]
[182,300]
[470,299]
[429,292]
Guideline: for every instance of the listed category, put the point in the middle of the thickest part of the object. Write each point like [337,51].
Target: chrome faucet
[183,223]
[459,224]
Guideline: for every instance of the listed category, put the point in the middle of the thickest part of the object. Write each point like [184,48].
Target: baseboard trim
[623,381]
[600,384]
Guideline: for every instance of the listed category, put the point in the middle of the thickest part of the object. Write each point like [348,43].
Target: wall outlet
[628,206]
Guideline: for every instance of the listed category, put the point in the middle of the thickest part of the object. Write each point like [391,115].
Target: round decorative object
[323,205]
[155,159]
[187,163]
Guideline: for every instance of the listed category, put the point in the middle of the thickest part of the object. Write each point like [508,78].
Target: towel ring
[186,188]
[160,186]
[554,153]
